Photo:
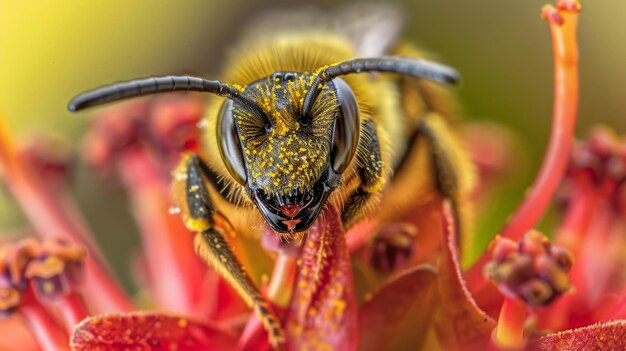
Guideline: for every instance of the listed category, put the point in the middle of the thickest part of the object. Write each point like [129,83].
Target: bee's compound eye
[229,144]
[290,77]
[347,126]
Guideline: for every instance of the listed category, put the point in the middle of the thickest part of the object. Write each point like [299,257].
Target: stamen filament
[72,310]
[592,272]
[563,23]
[509,334]
[281,285]
[577,219]
[46,331]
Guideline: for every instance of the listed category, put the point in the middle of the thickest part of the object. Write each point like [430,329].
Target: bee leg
[448,164]
[200,215]
[370,172]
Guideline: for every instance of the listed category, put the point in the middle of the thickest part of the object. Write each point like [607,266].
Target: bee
[300,120]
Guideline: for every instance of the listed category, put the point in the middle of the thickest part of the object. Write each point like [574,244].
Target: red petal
[148,331]
[323,312]
[605,336]
[403,304]
[461,324]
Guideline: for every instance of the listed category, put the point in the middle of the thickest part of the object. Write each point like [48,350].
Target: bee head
[289,162]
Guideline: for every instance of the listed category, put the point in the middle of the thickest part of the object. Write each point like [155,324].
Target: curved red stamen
[563,24]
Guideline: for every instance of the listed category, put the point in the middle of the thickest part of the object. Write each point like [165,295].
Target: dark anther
[277,77]
[289,77]
[531,269]
[268,128]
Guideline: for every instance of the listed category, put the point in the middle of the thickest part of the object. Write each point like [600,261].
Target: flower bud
[532,270]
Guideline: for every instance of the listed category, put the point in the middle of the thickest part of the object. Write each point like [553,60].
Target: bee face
[288,162]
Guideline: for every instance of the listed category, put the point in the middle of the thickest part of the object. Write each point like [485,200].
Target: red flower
[378,286]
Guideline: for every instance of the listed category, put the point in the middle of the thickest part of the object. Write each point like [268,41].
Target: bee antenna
[156,85]
[411,67]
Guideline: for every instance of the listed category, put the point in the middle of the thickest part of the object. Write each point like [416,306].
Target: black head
[289,163]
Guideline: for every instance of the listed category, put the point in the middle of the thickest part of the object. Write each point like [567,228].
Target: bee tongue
[291,224]
[290,210]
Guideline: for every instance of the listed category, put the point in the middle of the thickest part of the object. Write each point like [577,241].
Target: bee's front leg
[200,215]
[370,172]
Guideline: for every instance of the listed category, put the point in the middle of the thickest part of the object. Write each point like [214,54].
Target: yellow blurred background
[51,50]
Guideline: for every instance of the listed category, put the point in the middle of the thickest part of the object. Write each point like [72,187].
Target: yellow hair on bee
[296,52]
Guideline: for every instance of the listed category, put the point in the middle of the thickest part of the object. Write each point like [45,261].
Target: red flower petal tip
[323,311]
[605,336]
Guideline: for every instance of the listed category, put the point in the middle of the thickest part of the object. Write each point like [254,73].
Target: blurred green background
[51,49]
